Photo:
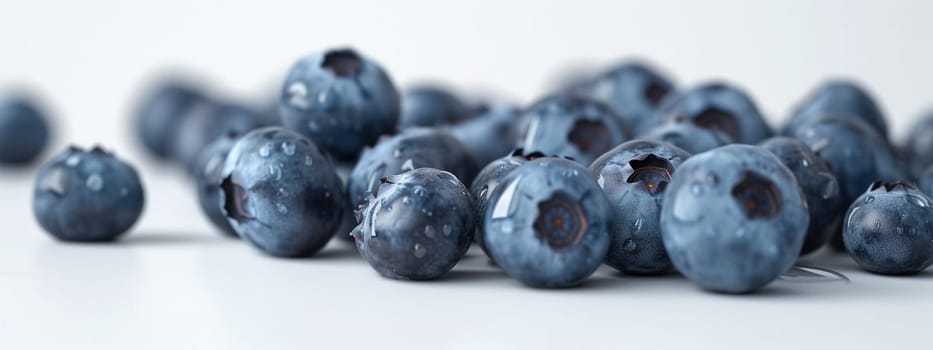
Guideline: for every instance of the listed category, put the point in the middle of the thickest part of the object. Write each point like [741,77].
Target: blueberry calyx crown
[235,197]
[890,186]
[560,221]
[757,196]
[589,135]
[343,63]
[717,119]
[655,92]
[652,171]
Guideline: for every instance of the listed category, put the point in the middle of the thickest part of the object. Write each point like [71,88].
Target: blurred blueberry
[721,107]
[838,98]
[574,127]
[341,100]
[919,147]
[430,105]
[824,197]
[411,149]
[160,112]
[634,176]
[280,193]
[208,176]
[418,227]
[687,136]
[634,90]
[547,224]
[87,196]
[488,135]
[24,131]
[734,219]
[204,123]
[889,229]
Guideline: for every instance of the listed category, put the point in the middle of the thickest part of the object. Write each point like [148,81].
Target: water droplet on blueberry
[869,199]
[94,182]
[429,231]
[73,160]
[265,150]
[288,148]
[629,246]
[420,251]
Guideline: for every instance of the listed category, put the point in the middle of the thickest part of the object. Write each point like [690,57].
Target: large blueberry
[687,136]
[341,100]
[919,146]
[634,90]
[488,179]
[734,219]
[855,153]
[24,131]
[634,176]
[819,184]
[280,193]
[489,134]
[205,122]
[87,196]
[208,176]
[547,224]
[411,149]
[160,112]
[718,106]
[838,98]
[418,227]
[573,126]
[430,105]
[889,229]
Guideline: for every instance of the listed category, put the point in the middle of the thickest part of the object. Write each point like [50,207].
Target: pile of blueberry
[623,168]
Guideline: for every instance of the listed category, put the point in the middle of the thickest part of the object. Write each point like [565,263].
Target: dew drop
[265,150]
[281,208]
[275,172]
[406,200]
[288,148]
[420,251]
[629,246]
[638,224]
[298,95]
[419,191]
[804,162]
[696,189]
[308,160]
[447,230]
[869,199]
[94,182]
[429,231]
[73,160]
[919,201]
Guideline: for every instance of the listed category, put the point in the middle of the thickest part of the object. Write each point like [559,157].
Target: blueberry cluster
[623,168]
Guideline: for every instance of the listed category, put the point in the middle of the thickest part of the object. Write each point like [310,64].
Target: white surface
[173,283]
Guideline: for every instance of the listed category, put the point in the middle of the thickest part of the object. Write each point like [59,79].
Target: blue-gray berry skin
[341,100]
[430,105]
[824,197]
[919,147]
[572,126]
[547,224]
[838,98]
[634,176]
[721,107]
[925,181]
[635,90]
[418,227]
[855,153]
[160,112]
[489,133]
[204,123]
[889,229]
[411,149]
[87,196]
[687,136]
[280,193]
[24,131]
[208,170]
[488,179]
[734,219]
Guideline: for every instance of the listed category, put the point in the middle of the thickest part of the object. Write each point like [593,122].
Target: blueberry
[733,219]
[926,181]
[721,107]
[87,196]
[204,123]
[430,105]
[418,227]
[635,91]
[687,136]
[24,132]
[160,112]
[547,224]
[341,100]
[855,153]
[573,126]
[489,134]
[824,197]
[209,165]
[488,179]
[280,193]
[411,149]
[838,98]
[889,229]
[919,146]
[634,176]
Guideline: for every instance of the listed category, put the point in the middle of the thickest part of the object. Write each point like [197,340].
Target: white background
[174,284]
